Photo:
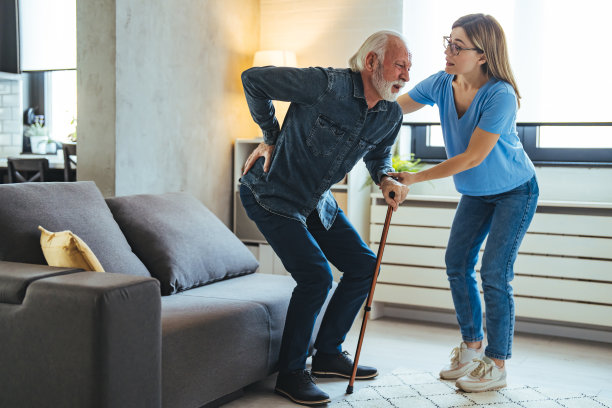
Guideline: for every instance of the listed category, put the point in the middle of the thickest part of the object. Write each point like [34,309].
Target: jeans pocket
[524,189]
[324,136]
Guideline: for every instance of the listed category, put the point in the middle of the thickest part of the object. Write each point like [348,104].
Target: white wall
[556,184]
[11,113]
[325,33]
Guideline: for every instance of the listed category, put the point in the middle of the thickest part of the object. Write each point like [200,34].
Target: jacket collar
[358,92]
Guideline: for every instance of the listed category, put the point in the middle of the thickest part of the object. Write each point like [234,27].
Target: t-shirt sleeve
[499,113]
[425,92]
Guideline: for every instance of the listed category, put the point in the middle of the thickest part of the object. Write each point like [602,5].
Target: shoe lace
[455,356]
[306,377]
[346,356]
[481,369]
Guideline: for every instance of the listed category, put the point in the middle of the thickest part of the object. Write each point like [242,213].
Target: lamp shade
[47,34]
[277,58]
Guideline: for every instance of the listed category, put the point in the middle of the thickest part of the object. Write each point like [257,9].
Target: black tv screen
[9,36]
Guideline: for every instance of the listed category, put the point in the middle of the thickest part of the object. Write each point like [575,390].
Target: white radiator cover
[563,273]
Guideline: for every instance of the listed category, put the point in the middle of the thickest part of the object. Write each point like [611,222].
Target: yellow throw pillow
[66,250]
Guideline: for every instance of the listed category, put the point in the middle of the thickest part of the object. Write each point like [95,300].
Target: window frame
[528,135]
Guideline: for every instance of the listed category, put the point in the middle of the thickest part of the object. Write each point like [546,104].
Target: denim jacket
[327,130]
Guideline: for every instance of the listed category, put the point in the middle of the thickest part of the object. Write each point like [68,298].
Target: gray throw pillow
[181,242]
[78,207]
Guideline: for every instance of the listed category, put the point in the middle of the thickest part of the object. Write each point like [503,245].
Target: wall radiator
[563,273]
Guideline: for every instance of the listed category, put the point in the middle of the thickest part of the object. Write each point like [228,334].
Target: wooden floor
[541,361]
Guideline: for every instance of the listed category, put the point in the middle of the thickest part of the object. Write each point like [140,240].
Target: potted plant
[40,140]
[412,165]
[73,136]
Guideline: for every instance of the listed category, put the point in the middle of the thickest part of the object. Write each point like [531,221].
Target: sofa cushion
[239,322]
[181,242]
[67,250]
[211,347]
[78,207]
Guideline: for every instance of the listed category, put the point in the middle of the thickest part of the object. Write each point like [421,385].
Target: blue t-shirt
[493,110]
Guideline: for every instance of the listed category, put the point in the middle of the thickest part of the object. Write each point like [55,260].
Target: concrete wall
[96,105]
[160,98]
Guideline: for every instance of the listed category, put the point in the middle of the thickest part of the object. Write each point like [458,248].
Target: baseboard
[522,325]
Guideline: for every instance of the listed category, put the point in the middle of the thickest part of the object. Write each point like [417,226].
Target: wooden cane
[367,308]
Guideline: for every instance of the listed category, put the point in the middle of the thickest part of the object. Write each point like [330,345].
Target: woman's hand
[262,150]
[405,177]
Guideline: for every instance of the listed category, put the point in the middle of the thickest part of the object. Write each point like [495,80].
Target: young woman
[478,99]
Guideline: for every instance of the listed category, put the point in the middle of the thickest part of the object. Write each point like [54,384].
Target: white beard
[384,87]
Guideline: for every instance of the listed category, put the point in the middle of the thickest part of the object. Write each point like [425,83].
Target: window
[568,143]
[556,54]
[61,103]
[560,143]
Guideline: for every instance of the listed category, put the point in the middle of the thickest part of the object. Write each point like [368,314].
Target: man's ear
[370,61]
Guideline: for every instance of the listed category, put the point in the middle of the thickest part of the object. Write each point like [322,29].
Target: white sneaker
[485,377]
[462,362]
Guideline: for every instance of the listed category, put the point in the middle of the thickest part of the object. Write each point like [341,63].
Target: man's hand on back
[262,150]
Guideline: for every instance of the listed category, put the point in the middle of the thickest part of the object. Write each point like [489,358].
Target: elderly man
[336,118]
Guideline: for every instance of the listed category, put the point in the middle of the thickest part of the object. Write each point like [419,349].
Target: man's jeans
[305,251]
[505,218]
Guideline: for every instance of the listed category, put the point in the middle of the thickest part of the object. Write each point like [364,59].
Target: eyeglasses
[455,49]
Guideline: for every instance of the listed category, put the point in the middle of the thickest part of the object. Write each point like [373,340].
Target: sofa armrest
[82,339]
[15,277]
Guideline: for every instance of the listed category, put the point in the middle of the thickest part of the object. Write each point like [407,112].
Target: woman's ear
[482,60]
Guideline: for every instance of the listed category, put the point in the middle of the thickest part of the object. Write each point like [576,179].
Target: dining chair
[69,150]
[27,170]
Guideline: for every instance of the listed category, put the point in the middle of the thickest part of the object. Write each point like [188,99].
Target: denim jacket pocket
[324,137]
[366,146]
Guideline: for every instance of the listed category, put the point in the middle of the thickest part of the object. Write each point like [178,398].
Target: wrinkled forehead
[397,51]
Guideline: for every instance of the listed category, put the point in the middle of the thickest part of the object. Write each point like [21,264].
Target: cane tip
[349,389]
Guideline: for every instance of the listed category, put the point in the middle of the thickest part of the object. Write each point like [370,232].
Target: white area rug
[412,389]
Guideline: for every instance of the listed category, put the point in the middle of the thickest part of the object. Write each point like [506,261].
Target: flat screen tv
[9,36]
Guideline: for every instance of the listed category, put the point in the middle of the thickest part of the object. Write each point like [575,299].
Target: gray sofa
[178,319]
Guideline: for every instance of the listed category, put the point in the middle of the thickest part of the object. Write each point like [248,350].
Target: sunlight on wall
[324,33]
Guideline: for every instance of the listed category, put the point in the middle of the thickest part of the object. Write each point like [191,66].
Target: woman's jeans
[505,218]
[305,251]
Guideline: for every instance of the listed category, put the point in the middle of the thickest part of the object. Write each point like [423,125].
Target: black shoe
[300,388]
[339,365]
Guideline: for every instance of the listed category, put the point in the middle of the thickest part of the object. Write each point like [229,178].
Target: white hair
[376,43]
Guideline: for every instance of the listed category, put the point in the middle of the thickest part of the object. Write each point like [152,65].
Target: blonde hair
[487,35]
[376,43]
